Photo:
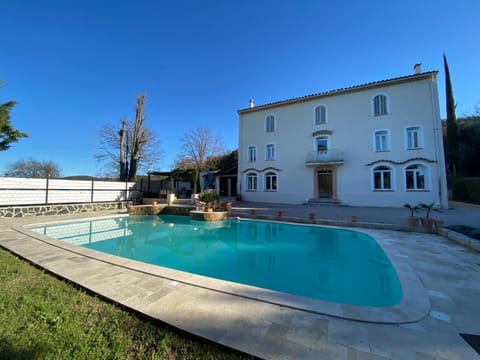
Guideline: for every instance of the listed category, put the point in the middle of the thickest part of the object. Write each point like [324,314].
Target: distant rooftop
[374,84]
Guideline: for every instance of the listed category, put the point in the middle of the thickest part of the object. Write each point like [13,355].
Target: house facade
[377,144]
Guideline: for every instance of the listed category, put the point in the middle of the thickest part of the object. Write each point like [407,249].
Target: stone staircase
[324,201]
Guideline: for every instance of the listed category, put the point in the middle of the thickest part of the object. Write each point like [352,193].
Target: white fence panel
[23,191]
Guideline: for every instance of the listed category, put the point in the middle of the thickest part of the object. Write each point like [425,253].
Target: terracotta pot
[412,221]
[427,222]
[208,209]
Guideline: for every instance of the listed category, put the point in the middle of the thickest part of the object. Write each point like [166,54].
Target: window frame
[426,177]
[274,147]
[273,128]
[315,144]
[387,104]
[315,115]
[387,139]
[251,159]
[254,177]
[420,137]
[390,170]
[272,175]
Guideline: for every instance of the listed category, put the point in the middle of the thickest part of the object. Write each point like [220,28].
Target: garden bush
[466,189]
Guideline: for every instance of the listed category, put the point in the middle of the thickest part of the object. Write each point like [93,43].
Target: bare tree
[132,148]
[31,168]
[196,146]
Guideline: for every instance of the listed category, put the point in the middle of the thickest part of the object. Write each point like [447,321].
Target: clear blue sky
[76,65]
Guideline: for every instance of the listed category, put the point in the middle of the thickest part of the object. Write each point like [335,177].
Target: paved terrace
[450,275]
[457,214]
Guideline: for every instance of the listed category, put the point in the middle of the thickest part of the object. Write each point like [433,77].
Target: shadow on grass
[9,351]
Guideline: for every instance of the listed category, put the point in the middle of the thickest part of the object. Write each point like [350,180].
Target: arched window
[270,181]
[380,105]
[382,178]
[251,182]
[320,115]
[270,123]
[416,177]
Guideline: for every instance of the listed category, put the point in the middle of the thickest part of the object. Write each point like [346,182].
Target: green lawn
[42,317]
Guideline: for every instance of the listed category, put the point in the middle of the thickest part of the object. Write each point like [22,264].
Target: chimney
[252,103]
[417,68]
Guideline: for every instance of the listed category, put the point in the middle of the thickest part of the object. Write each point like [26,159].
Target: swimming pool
[335,265]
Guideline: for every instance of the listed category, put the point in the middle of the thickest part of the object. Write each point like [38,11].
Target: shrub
[208,197]
[467,189]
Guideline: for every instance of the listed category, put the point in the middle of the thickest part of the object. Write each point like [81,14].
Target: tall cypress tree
[452,130]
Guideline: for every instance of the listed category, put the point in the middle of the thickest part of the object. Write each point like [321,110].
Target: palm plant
[428,208]
[208,197]
[413,209]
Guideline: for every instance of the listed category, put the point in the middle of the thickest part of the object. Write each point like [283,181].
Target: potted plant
[412,220]
[427,221]
[208,197]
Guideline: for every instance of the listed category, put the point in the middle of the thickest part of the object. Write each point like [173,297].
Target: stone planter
[145,209]
[170,198]
[208,216]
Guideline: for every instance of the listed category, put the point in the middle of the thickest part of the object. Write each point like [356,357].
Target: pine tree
[452,130]
[7,133]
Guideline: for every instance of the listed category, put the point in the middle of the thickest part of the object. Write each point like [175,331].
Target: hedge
[467,189]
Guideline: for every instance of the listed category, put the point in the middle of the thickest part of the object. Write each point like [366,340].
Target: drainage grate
[473,341]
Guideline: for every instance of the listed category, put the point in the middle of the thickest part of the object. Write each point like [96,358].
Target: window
[381,140]
[414,138]
[416,177]
[380,105]
[382,178]
[270,123]
[321,144]
[252,154]
[270,152]
[320,115]
[270,181]
[251,182]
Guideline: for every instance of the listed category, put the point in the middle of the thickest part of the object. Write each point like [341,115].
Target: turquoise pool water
[335,265]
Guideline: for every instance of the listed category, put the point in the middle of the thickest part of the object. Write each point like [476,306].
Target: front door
[325,183]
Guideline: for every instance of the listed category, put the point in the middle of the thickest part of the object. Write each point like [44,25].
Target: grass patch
[42,317]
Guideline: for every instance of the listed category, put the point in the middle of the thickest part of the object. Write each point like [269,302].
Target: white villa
[377,144]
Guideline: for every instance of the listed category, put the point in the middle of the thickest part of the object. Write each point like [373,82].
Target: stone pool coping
[414,306]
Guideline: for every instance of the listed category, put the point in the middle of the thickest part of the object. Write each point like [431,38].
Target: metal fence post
[91,196]
[46,190]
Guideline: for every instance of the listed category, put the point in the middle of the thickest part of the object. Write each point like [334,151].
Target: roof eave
[371,85]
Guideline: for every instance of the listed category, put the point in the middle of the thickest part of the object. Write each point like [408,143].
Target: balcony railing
[333,156]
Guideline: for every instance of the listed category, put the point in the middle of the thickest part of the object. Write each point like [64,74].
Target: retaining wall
[60,209]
